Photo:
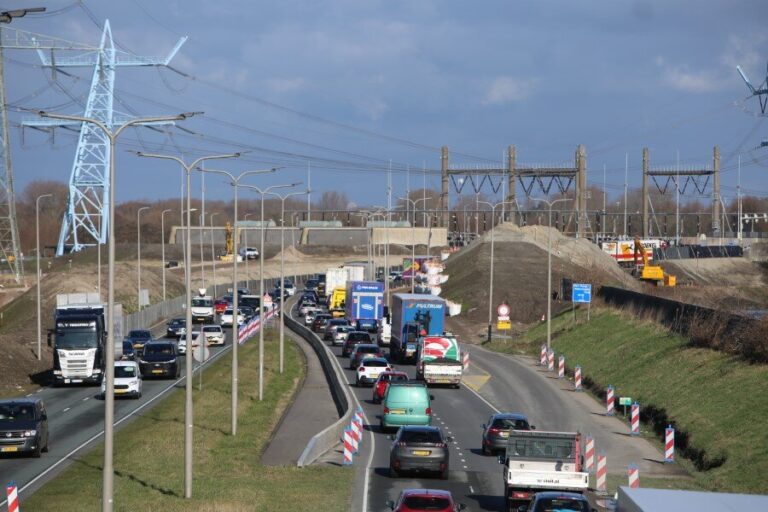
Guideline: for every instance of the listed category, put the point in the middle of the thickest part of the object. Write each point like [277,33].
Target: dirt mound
[291,255]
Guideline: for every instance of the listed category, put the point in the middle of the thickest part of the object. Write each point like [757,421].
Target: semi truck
[365,300]
[414,316]
[536,461]
[78,339]
[336,304]
[438,360]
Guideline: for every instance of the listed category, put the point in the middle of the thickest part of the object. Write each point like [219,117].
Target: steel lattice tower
[85,221]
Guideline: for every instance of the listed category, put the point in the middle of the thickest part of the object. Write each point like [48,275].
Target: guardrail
[330,436]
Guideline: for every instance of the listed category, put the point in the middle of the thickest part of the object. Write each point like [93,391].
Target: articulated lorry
[78,339]
[438,360]
[364,300]
[537,461]
[414,316]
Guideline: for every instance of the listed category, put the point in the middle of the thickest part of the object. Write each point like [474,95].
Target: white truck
[438,360]
[537,461]
[335,277]
[203,311]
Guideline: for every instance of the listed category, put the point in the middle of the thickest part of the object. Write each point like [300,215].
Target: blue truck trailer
[413,316]
[364,300]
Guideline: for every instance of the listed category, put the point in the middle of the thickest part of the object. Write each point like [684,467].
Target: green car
[406,403]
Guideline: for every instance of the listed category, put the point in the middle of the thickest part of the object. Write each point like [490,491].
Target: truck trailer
[414,316]
[438,360]
[365,300]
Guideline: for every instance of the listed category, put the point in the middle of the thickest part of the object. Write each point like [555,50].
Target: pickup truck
[438,360]
[536,461]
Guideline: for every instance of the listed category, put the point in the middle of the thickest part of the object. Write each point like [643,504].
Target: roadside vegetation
[716,401]
[149,453]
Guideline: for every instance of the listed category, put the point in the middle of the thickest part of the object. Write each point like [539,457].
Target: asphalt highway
[76,422]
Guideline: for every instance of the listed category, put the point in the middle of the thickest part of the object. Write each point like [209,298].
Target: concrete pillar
[443,186]
[716,228]
[645,192]
[511,183]
[581,191]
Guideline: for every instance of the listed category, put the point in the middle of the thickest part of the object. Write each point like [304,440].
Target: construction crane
[648,272]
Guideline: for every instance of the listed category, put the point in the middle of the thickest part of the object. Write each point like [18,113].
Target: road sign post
[503,322]
[625,401]
[581,293]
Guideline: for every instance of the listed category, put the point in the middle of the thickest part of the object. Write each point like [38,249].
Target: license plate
[10,449]
[119,391]
[157,371]
[422,453]
[397,411]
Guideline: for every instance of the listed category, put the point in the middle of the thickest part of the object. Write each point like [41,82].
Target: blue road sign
[581,293]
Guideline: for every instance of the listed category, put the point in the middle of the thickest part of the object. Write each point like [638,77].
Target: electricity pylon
[86,222]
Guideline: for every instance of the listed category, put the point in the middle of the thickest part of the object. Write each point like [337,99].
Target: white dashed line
[86,398]
[471,490]
[65,410]
[462,460]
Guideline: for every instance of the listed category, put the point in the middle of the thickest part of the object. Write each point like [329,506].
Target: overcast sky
[348,85]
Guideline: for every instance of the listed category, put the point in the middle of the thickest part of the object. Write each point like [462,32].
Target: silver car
[419,449]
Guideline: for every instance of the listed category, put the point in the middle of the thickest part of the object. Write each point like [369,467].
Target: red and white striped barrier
[577,378]
[669,444]
[561,367]
[633,474]
[253,326]
[602,472]
[543,358]
[13,497]
[589,455]
[634,422]
[465,361]
[348,448]
[551,361]
[356,432]
[609,401]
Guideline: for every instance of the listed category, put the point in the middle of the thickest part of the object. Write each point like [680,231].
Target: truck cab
[78,342]
[338,302]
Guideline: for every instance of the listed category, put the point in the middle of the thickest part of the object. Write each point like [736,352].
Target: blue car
[553,500]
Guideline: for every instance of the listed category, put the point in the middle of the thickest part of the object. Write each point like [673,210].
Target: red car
[380,386]
[220,305]
[423,500]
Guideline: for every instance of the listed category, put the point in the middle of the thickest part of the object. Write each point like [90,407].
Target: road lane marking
[471,490]
[65,410]
[86,398]
[489,404]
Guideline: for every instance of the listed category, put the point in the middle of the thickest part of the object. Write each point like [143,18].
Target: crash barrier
[602,472]
[669,444]
[465,361]
[12,493]
[328,437]
[551,361]
[577,378]
[254,325]
[543,359]
[356,431]
[682,252]
[561,367]
[349,448]
[609,401]
[589,455]
[633,475]
[634,422]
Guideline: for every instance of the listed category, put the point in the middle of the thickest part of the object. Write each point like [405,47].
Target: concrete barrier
[330,436]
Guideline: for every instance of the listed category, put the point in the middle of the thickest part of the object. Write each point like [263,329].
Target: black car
[129,353]
[160,359]
[247,313]
[176,327]
[354,338]
[23,426]
[311,285]
[369,325]
[419,448]
[139,337]
[496,431]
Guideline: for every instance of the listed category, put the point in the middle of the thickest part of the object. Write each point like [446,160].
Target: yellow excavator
[648,272]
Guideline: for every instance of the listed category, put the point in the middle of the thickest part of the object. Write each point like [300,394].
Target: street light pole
[235,182]
[247,270]
[37,235]
[188,416]
[550,204]
[162,245]
[413,238]
[263,192]
[107,498]
[282,269]
[213,256]
[138,251]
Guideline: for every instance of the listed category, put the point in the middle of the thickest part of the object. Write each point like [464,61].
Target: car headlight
[30,433]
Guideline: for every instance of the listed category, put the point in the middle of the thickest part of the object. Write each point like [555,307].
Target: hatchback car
[406,403]
[214,334]
[340,334]
[419,449]
[23,426]
[160,359]
[306,306]
[423,500]
[331,325]
[139,337]
[176,327]
[496,431]
[369,325]
[182,346]
[381,384]
[354,338]
[318,324]
[309,318]
[227,317]
[219,305]
[127,379]
[363,351]
[369,370]
[553,500]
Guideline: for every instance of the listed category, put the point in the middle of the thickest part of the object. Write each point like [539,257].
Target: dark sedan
[318,324]
[176,327]
[496,431]
[554,500]
[419,448]
[160,359]
[354,338]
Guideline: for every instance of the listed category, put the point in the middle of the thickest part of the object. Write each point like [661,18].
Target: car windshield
[560,504]
[426,502]
[14,412]
[212,328]
[420,436]
[177,322]
[140,335]
[374,362]
[125,372]
[76,338]
[202,303]
[160,348]
[343,329]
[391,377]
[510,423]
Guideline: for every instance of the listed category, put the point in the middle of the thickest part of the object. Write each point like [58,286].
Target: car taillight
[428,411]
[361,369]
[494,430]
[386,410]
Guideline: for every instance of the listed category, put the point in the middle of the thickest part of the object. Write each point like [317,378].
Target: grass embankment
[717,400]
[228,475]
